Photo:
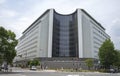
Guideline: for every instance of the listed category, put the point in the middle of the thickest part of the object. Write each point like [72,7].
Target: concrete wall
[64,64]
[37,39]
[44,35]
[80,30]
[86,34]
[50,33]
[27,45]
[93,36]
[34,41]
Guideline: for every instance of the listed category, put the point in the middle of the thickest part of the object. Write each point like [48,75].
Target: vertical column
[50,33]
[92,46]
[80,40]
[38,45]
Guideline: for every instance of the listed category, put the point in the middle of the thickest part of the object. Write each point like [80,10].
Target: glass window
[65,35]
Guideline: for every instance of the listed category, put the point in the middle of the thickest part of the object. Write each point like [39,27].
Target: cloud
[24,19]
[5,13]
[115,27]
[117,20]
[2,1]
[20,24]
[116,41]
[114,32]
[18,15]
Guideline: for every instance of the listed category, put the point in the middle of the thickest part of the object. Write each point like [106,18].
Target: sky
[17,15]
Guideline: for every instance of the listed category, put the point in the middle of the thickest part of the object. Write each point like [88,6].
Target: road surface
[24,72]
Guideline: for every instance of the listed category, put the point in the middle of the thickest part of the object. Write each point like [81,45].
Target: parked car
[1,67]
[112,70]
[33,68]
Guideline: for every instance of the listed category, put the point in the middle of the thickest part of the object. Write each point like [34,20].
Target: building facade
[55,35]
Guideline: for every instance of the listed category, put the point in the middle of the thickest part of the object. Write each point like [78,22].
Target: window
[65,37]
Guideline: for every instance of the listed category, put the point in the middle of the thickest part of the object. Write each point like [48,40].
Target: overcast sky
[17,15]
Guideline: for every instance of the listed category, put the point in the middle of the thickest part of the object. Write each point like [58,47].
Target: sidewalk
[16,69]
[48,71]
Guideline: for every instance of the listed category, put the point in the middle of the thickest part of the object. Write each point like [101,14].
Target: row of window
[96,47]
[96,52]
[31,52]
[64,33]
[96,25]
[28,43]
[100,32]
[32,56]
[27,39]
[28,49]
[31,30]
[65,27]
[97,43]
[98,39]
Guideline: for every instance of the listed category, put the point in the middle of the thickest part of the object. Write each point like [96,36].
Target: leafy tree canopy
[8,43]
[118,57]
[107,54]
[89,63]
[34,62]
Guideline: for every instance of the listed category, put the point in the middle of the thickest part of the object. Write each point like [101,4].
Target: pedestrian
[6,68]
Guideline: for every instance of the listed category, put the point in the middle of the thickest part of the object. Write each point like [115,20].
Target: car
[112,70]
[33,68]
[1,67]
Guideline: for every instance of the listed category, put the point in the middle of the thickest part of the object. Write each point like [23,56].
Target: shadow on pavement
[10,72]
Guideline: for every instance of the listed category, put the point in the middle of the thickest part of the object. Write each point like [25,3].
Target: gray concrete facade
[37,39]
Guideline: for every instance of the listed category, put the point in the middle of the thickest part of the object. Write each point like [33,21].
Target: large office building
[54,35]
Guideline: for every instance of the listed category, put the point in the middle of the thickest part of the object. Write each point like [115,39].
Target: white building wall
[99,36]
[89,38]
[27,45]
[50,34]
[37,40]
[80,38]
[93,36]
[87,35]
[44,36]
[34,42]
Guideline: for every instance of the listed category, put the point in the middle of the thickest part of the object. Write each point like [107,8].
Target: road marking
[21,75]
[75,75]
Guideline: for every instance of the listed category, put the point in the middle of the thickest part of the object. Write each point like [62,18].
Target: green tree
[1,60]
[118,61]
[34,62]
[107,54]
[89,63]
[7,45]
[3,43]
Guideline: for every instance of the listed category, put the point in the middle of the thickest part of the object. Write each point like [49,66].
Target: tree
[118,61]
[1,60]
[7,45]
[89,63]
[107,54]
[34,62]
[3,43]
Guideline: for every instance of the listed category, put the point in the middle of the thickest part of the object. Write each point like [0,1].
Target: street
[57,74]
[23,72]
